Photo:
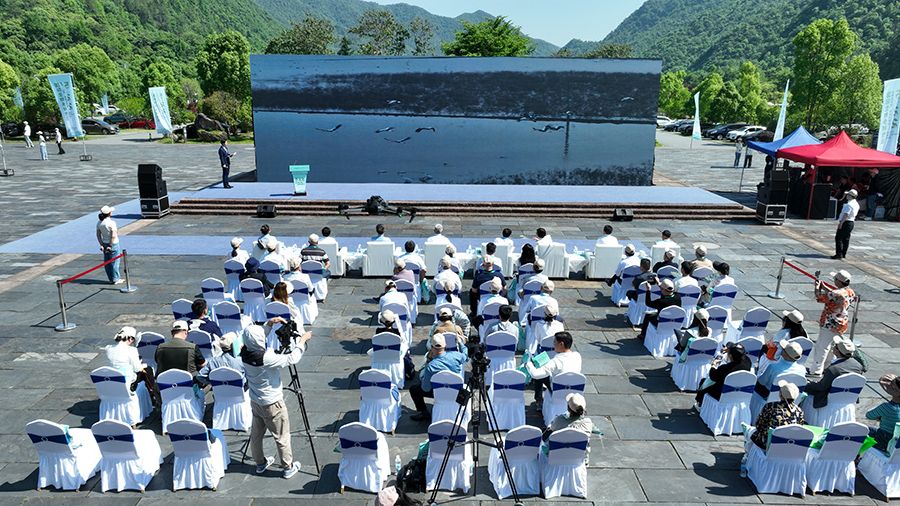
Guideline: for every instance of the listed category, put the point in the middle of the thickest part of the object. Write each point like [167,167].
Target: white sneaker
[261,468]
[291,471]
[867,218]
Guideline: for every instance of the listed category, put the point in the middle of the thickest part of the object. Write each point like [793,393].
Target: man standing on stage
[845,225]
[225,159]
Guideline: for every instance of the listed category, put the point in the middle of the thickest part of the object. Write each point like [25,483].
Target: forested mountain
[692,35]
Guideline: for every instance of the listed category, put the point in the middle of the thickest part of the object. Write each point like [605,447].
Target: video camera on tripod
[288,336]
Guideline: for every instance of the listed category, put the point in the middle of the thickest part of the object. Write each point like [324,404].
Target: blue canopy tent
[799,137]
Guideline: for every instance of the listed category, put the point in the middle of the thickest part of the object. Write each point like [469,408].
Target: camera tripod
[475,386]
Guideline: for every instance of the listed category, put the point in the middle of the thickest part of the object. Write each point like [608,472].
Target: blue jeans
[44,152]
[870,205]
[112,269]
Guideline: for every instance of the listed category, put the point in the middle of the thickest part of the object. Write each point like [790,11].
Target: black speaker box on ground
[149,172]
[623,214]
[772,196]
[818,201]
[266,211]
[150,182]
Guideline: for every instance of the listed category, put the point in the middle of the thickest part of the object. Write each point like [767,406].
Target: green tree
[726,105]
[40,103]
[9,81]
[191,89]
[159,73]
[422,32]
[310,36]
[222,106]
[708,89]
[224,64]
[491,37]
[93,71]
[860,94]
[750,91]
[610,51]
[821,51]
[673,95]
[383,35]
[346,47]
[563,52]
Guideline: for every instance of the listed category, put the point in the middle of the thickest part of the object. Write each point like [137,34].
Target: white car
[734,135]
[662,121]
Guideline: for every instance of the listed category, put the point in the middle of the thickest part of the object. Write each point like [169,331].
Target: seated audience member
[448,293]
[315,253]
[226,359]
[391,295]
[123,356]
[437,359]
[411,255]
[668,298]
[791,327]
[450,251]
[607,237]
[505,324]
[236,252]
[259,245]
[721,275]
[326,237]
[542,238]
[252,272]
[573,418]
[387,320]
[445,325]
[379,234]
[178,353]
[202,320]
[493,297]
[629,260]
[777,414]
[645,276]
[527,256]
[843,363]
[565,360]
[487,274]
[281,293]
[459,317]
[687,268]
[438,237]
[699,327]
[537,275]
[401,272]
[489,249]
[886,413]
[537,300]
[506,239]
[737,361]
[666,239]
[790,354]
[297,274]
[445,275]
[549,325]
[701,260]
[667,261]
[271,247]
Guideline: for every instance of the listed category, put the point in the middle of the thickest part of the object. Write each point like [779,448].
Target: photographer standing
[262,367]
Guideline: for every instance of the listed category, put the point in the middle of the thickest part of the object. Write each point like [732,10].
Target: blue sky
[556,22]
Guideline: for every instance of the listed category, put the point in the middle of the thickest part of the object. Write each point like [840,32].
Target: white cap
[107,210]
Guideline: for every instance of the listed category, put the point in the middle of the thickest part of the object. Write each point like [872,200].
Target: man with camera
[262,368]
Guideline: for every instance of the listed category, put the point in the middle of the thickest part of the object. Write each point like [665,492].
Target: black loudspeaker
[266,211]
[772,196]
[818,201]
[780,180]
[150,182]
[623,214]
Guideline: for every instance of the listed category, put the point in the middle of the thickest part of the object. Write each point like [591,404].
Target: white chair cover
[556,264]
[446,385]
[413,264]
[459,466]
[782,468]
[233,270]
[213,291]
[523,272]
[833,466]
[232,407]
[146,344]
[622,286]
[276,309]
[882,471]
[529,288]
[178,398]
[66,461]
[199,462]
[522,446]
[334,255]
[203,340]
[306,303]
[604,261]
[117,402]
[228,317]
[807,346]
[508,399]
[753,346]
[637,307]
[690,295]
[718,319]
[254,299]
[181,309]
[409,290]
[449,305]
[380,400]
[563,471]
[701,272]
[491,315]
[272,271]
[658,251]
[841,407]
[500,347]
[547,346]
[387,355]
[544,332]
[688,374]
[555,402]
[723,296]
[757,402]
[130,458]
[753,325]
[434,251]
[660,340]
[403,320]
[379,259]
[364,458]
[725,416]
[503,253]
[668,272]
[314,270]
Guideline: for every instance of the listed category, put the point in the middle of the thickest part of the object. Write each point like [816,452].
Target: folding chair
[882,469]
[563,470]
[726,415]
[201,455]
[117,402]
[254,299]
[203,340]
[690,295]
[782,468]
[233,270]
[276,310]
[387,355]
[833,466]
[232,407]
[130,457]
[623,285]
[146,345]
[409,290]
[508,399]
[660,339]
[753,325]
[459,466]
[688,374]
[841,407]
[380,400]
[522,445]
[213,291]
[364,458]
[554,403]
[379,259]
[446,385]
[500,348]
[68,457]
[228,317]
[603,262]
[305,302]
[315,271]
[181,309]
[272,271]
[178,397]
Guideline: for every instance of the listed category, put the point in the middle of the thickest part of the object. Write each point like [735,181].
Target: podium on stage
[298,174]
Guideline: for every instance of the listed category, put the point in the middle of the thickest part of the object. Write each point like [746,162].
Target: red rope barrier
[111,260]
[801,271]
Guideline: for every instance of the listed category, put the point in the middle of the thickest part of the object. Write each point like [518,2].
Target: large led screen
[540,121]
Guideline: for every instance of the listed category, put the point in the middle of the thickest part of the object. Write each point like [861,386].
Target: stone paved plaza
[654,447]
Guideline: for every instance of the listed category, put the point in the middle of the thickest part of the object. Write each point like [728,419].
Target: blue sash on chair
[516,386]
[189,437]
[533,442]
[235,316]
[55,438]
[492,347]
[379,347]
[376,384]
[166,386]
[782,440]
[727,389]
[577,388]
[128,438]
[838,390]
[460,438]
[253,290]
[556,445]
[670,320]
[180,316]
[369,445]
[219,289]
[225,383]
[98,379]
[455,386]
[837,437]
[693,351]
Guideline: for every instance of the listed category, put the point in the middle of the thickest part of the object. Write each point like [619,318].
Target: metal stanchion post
[65,326]
[853,320]
[128,288]
[778,294]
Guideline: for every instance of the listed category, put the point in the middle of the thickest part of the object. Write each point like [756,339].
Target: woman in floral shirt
[834,319]
[776,414]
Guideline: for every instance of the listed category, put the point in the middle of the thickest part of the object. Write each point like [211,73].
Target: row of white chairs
[215,291]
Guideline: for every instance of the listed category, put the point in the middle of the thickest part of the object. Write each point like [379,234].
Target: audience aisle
[655,449]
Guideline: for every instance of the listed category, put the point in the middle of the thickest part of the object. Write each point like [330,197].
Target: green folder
[541,360]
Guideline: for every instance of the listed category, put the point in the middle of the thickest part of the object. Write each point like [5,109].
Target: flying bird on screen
[382,172]
[393,102]
[528,117]
[401,172]
[426,178]
[548,127]
[407,180]
[382,130]
[329,129]
[626,98]
[400,141]
[425,128]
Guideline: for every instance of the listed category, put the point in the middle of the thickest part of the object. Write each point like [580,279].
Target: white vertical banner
[64,90]
[17,99]
[160,105]
[779,128]
[104,101]
[889,128]
[696,130]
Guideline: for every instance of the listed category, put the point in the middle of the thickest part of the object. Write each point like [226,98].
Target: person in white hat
[226,359]
[834,319]
[272,254]
[701,260]
[178,353]
[27,134]
[297,278]
[438,237]
[488,273]
[495,297]
[445,274]
[42,143]
[547,326]
[312,252]
[629,259]
[438,359]
[574,418]
[791,327]
[236,252]
[790,353]
[123,356]
[490,249]
[108,237]
[846,220]
[538,275]
[391,295]
[668,297]
[845,362]
[777,414]
[535,301]
[446,325]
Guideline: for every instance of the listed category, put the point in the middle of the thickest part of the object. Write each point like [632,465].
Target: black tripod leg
[451,443]
[294,386]
[492,420]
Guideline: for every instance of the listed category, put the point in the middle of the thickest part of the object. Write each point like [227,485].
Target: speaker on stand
[153,192]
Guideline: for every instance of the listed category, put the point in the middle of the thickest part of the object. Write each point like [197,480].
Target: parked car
[689,129]
[96,126]
[759,136]
[734,135]
[48,129]
[671,127]
[140,122]
[662,121]
[117,118]
[12,129]
[720,132]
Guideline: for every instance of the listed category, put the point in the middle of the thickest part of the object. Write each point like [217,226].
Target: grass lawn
[241,138]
